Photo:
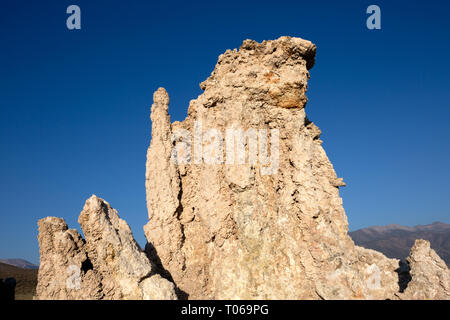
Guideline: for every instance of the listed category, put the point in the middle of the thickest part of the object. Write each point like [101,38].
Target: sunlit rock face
[430,277]
[271,226]
[107,264]
[243,203]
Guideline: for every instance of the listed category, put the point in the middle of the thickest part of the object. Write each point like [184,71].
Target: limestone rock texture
[243,203]
[430,277]
[107,264]
[61,248]
[254,229]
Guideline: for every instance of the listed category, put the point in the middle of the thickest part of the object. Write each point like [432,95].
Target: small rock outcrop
[107,264]
[62,257]
[430,276]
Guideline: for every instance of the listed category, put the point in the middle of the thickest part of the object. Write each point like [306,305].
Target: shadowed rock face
[108,264]
[242,233]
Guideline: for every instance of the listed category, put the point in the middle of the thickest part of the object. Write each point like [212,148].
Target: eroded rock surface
[62,255]
[107,264]
[430,277]
[251,229]
[243,203]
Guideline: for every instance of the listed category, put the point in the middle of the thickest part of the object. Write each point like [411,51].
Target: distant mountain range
[19,263]
[395,241]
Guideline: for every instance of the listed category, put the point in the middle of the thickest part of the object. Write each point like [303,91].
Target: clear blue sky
[74,105]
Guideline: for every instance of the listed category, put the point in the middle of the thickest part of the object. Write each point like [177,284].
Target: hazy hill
[26,280]
[395,241]
[19,263]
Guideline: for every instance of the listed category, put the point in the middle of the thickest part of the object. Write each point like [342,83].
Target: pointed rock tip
[92,198]
[93,206]
[421,243]
[92,201]
[161,97]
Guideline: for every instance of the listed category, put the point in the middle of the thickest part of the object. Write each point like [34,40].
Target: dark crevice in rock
[152,255]
[86,265]
[307,121]
[179,209]
[404,276]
